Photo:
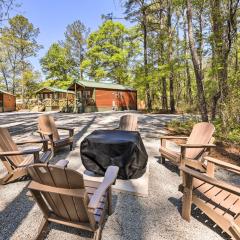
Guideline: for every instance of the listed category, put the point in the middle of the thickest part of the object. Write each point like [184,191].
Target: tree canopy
[58,66]
[109,53]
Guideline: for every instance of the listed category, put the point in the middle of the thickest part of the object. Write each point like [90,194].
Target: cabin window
[86,94]
[79,95]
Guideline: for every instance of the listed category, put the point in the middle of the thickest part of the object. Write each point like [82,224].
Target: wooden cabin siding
[1,102]
[7,102]
[106,98]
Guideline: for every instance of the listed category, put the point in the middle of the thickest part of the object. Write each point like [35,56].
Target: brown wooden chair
[198,145]
[66,198]
[128,122]
[15,160]
[48,130]
[219,200]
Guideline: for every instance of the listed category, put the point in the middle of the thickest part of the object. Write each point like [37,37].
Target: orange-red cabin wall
[8,102]
[107,98]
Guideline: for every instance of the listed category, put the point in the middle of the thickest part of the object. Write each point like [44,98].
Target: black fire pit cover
[103,148]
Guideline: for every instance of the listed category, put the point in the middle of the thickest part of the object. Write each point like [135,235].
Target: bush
[185,125]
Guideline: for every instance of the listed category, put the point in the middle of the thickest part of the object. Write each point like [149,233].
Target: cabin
[7,102]
[52,99]
[94,96]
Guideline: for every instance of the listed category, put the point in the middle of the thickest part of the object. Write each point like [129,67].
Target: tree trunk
[170,56]
[189,97]
[164,94]
[163,81]
[197,67]
[148,95]
[215,99]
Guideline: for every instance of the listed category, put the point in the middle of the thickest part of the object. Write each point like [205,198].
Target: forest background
[180,55]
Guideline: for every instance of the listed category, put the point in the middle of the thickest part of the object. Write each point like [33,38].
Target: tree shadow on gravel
[200,216]
[171,167]
[14,213]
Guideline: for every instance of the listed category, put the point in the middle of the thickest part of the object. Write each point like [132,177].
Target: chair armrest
[71,130]
[197,145]
[32,141]
[62,163]
[221,184]
[22,152]
[174,137]
[65,128]
[109,179]
[223,164]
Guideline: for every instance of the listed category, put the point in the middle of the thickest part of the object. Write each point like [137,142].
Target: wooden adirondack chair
[219,200]
[128,122]
[14,160]
[66,198]
[198,145]
[48,129]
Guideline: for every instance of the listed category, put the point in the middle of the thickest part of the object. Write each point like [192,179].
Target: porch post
[75,98]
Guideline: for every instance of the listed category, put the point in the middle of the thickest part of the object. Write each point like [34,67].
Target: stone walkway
[153,218]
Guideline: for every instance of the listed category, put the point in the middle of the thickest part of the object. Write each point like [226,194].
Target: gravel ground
[153,218]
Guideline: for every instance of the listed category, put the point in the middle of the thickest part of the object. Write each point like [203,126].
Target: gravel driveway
[134,218]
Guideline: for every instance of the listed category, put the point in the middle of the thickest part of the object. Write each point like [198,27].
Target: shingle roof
[53,89]
[93,84]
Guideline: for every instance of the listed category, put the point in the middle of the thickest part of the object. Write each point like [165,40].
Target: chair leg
[109,201]
[5,179]
[42,230]
[98,234]
[71,147]
[163,160]
[187,197]
[13,176]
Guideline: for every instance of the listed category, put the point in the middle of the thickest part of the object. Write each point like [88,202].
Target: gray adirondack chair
[66,198]
[48,130]
[128,122]
[219,200]
[15,160]
[198,145]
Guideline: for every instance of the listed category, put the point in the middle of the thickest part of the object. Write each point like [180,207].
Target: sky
[52,17]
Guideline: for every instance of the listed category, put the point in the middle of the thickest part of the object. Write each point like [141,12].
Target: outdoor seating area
[120,120]
[46,195]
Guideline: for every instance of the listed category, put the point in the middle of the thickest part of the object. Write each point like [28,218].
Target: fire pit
[125,149]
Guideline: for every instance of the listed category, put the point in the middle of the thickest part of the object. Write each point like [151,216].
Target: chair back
[128,122]
[46,123]
[7,145]
[66,207]
[201,134]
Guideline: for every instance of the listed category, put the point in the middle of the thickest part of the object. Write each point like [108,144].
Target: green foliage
[30,81]
[58,66]
[109,53]
[18,42]
[185,124]
[75,42]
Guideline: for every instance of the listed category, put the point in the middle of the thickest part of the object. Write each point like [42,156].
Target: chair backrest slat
[128,122]
[66,207]
[201,134]
[46,123]
[7,144]
[38,178]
